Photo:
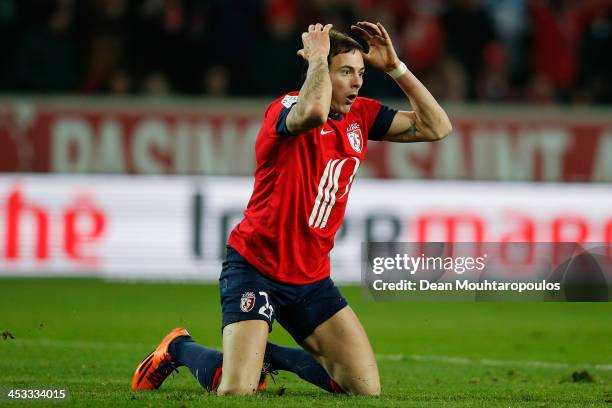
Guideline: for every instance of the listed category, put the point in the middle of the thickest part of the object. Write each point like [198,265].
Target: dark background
[532,51]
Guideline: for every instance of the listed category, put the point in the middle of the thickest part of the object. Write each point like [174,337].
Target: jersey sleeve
[276,115]
[377,117]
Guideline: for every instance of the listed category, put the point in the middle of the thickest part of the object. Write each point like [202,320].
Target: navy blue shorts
[246,294]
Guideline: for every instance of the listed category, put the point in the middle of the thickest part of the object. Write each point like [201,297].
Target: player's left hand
[381,54]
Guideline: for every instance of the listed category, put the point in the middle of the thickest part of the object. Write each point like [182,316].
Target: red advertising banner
[65,135]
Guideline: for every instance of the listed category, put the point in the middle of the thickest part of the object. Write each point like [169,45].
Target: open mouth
[351,98]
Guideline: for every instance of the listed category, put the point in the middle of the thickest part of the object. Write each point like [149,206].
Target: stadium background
[126,150]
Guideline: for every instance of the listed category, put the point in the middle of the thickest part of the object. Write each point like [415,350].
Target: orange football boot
[263,379]
[263,383]
[158,365]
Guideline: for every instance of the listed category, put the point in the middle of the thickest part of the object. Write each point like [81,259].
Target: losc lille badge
[247,302]
[355,139]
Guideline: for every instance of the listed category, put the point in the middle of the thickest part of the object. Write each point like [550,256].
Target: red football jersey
[302,183]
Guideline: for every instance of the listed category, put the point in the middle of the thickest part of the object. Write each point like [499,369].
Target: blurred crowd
[535,51]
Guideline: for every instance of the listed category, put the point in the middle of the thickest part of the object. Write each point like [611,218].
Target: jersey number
[328,188]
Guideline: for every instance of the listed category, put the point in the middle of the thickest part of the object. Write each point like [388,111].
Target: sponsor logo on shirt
[289,100]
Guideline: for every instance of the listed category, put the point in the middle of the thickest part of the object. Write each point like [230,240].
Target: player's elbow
[315,115]
[441,131]
[306,117]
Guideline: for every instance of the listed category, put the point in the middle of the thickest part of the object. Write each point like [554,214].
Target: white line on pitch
[105,345]
[490,362]
[78,344]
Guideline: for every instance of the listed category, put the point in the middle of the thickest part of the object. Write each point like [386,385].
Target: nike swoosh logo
[324,133]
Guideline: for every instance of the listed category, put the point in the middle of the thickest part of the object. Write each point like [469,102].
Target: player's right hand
[316,42]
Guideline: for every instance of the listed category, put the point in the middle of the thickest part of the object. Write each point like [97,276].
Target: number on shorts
[267,309]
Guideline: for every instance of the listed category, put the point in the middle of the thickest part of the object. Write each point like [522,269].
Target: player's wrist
[318,58]
[399,70]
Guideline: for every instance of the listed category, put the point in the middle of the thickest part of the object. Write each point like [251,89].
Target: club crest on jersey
[247,302]
[354,137]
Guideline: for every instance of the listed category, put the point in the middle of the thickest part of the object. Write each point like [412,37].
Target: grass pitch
[87,336]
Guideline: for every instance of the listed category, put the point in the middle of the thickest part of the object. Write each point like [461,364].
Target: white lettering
[149,134]
[109,156]
[182,148]
[554,143]
[66,135]
[427,285]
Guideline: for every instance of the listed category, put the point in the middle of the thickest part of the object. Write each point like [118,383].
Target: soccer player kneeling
[308,150]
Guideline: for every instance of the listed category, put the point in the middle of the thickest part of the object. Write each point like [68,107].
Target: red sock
[216,379]
[336,389]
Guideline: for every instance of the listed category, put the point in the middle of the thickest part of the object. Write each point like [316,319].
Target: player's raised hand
[315,41]
[381,54]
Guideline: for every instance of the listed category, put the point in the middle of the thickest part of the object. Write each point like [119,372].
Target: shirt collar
[336,116]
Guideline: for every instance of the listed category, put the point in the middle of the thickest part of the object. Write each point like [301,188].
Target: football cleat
[263,380]
[158,365]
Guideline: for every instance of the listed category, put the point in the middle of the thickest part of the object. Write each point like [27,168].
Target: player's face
[346,72]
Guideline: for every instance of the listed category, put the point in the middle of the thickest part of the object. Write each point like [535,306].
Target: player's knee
[363,385]
[236,389]
[372,390]
[237,385]
[362,388]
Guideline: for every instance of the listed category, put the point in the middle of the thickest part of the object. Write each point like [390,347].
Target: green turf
[88,336]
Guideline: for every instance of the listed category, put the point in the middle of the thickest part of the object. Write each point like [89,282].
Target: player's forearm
[432,120]
[314,100]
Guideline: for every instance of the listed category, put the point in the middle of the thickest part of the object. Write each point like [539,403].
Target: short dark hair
[339,43]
